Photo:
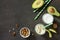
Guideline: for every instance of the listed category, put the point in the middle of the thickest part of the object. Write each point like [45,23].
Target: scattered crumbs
[13,33]
[9,30]
[17,25]
[13,29]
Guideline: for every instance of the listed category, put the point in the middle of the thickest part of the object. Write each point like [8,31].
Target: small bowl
[48,18]
[40,29]
[25,32]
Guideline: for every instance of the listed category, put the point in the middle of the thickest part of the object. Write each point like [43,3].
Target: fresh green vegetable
[37,4]
[44,4]
[50,34]
[41,10]
[52,10]
[48,25]
[52,30]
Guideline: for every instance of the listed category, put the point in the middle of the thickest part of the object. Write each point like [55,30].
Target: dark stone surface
[21,12]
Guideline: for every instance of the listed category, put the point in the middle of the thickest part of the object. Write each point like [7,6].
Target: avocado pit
[52,10]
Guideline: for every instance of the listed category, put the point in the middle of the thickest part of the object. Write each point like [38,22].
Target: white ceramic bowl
[23,35]
[40,29]
[47,18]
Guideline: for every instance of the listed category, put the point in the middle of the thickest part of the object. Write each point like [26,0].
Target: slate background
[21,12]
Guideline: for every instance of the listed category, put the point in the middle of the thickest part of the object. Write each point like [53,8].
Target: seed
[9,30]
[52,10]
[55,25]
[17,25]
[13,33]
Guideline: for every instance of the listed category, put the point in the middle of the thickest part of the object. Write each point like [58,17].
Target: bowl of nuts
[25,32]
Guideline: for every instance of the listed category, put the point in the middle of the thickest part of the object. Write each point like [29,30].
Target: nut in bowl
[25,32]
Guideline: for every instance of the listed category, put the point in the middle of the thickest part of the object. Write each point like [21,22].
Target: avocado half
[52,10]
[37,4]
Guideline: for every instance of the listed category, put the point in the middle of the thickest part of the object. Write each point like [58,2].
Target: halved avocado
[52,10]
[37,4]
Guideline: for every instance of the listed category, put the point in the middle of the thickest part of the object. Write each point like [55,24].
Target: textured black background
[21,12]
